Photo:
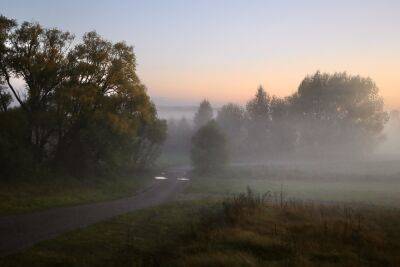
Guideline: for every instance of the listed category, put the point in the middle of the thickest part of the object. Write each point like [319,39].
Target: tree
[258,108]
[203,115]
[209,150]
[5,99]
[258,116]
[231,120]
[84,104]
[339,111]
[283,132]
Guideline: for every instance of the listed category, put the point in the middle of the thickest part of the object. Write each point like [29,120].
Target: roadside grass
[141,238]
[28,195]
[301,183]
[247,229]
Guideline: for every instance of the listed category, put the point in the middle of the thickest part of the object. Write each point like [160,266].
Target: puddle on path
[160,178]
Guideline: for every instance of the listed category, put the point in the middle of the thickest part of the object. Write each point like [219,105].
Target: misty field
[246,229]
[368,183]
[199,133]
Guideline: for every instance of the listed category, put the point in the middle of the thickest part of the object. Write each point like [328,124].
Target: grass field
[309,216]
[245,230]
[26,196]
[316,183]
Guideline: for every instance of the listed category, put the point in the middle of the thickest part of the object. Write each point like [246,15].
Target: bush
[209,149]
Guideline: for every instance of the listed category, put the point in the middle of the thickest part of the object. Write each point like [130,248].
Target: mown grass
[35,194]
[247,229]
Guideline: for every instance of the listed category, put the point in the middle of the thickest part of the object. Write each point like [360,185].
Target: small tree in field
[209,150]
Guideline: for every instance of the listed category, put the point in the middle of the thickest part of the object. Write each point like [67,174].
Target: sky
[223,50]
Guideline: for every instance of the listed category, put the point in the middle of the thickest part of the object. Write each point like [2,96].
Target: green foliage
[15,150]
[209,150]
[330,116]
[258,109]
[338,110]
[258,123]
[85,107]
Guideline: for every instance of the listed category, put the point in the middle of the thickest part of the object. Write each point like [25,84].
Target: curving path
[21,231]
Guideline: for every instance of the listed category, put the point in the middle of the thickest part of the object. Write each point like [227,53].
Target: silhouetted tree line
[331,115]
[82,107]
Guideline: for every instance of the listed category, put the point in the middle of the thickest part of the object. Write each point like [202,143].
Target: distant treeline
[82,109]
[330,115]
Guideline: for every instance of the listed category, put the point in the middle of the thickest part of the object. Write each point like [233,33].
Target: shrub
[209,150]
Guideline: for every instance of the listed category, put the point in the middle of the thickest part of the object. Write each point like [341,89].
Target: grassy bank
[245,230]
[35,194]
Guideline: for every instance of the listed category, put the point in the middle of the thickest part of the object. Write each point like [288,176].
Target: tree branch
[14,91]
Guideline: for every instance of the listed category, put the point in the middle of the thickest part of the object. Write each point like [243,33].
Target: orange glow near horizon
[234,85]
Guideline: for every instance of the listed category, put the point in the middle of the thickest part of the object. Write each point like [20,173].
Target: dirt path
[21,231]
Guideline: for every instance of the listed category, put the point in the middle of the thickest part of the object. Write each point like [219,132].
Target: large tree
[338,111]
[83,101]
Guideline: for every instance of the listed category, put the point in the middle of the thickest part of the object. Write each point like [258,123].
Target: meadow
[247,229]
[247,216]
[369,183]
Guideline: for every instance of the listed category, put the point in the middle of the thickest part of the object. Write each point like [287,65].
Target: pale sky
[222,50]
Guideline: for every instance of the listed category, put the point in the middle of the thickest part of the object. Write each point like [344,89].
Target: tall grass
[270,229]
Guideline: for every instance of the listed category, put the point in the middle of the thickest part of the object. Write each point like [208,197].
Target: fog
[333,125]
[390,147]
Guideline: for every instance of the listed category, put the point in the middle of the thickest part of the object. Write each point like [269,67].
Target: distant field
[364,182]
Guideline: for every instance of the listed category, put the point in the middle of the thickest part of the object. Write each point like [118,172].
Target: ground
[313,216]
[241,231]
[31,195]
[356,183]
